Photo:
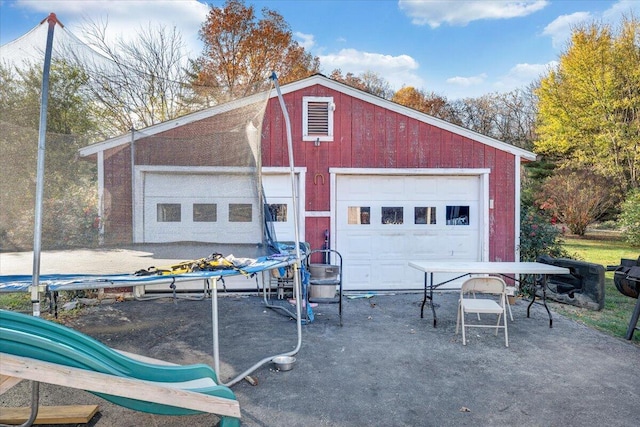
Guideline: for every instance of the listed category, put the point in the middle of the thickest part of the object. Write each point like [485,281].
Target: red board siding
[117,218]
[369,136]
[365,136]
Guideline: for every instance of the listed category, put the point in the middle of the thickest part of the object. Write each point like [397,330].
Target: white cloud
[623,7]
[560,28]
[518,77]
[522,75]
[435,13]
[307,41]
[126,18]
[467,81]
[397,70]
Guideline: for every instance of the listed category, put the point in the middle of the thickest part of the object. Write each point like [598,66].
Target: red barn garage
[386,183]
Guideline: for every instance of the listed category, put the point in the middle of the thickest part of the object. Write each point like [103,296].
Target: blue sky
[454,48]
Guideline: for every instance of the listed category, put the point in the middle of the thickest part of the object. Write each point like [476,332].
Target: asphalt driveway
[385,366]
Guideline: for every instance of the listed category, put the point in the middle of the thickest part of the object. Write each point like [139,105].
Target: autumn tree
[429,103]
[589,106]
[240,51]
[577,197]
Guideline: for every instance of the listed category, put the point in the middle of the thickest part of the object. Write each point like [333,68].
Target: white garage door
[277,191]
[203,208]
[382,222]
[209,207]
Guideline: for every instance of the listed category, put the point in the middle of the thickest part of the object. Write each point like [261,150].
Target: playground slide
[36,338]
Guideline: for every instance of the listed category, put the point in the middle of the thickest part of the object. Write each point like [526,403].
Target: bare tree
[509,117]
[516,118]
[376,84]
[477,114]
[368,81]
[140,82]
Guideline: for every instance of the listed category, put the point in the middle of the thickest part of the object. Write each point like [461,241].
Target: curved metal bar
[296,265]
[296,275]
[35,398]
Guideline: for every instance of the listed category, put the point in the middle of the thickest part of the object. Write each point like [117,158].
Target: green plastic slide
[36,338]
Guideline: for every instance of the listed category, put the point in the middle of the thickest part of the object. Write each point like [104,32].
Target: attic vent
[318,118]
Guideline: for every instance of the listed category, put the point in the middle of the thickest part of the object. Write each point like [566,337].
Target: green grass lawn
[614,318]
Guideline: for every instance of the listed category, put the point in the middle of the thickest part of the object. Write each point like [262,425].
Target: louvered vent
[318,118]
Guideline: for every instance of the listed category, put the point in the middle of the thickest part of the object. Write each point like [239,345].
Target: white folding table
[465,268]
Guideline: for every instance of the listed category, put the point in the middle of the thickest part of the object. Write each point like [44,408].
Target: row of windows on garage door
[358,215]
[208,212]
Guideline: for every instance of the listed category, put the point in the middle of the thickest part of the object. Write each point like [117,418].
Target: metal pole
[133,185]
[296,270]
[37,227]
[296,265]
[214,321]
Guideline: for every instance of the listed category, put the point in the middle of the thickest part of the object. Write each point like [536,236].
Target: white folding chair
[506,289]
[468,303]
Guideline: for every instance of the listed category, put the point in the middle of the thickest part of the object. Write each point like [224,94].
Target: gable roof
[317,79]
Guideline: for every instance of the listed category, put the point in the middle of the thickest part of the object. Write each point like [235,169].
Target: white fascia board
[216,169]
[318,214]
[272,170]
[409,171]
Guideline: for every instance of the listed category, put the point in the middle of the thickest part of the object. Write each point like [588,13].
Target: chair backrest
[484,285]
